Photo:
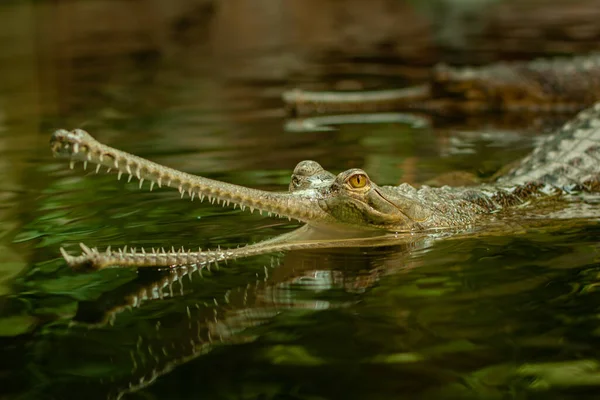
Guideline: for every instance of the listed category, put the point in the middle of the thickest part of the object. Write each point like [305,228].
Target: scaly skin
[349,209]
[556,85]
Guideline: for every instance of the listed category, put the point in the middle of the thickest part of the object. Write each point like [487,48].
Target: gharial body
[349,209]
[557,85]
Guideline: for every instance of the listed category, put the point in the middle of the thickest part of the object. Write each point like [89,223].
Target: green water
[513,314]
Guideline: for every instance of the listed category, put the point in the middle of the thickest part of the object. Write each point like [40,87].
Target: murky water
[491,315]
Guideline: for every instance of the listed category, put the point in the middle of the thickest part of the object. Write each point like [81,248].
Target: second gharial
[349,209]
[554,85]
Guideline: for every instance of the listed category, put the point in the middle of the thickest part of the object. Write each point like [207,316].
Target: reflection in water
[326,123]
[453,319]
[301,283]
[172,318]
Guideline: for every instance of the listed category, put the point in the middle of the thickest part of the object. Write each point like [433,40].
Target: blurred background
[50,48]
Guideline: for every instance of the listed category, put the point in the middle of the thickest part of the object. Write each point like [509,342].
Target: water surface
[505,314]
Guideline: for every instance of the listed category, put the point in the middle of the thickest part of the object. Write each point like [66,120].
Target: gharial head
[352,199]
[349,200]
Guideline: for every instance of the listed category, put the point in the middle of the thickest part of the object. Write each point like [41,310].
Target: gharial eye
[358,181]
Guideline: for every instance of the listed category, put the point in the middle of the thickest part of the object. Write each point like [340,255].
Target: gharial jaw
[349,200]
[346,206]
[78,145]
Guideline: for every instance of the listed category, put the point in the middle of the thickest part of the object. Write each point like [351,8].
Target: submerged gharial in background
[547,85]
[349,209]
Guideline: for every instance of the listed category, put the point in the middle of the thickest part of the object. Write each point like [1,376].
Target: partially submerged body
[547,85]
[349,209]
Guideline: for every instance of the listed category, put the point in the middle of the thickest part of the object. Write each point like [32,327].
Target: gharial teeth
[65,255]
[97,168]
[151,186]
[85,165]
[72,164]
[141,182]
[85,249]
[120,174]
[76,148]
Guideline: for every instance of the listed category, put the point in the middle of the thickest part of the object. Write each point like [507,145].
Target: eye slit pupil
[358,181]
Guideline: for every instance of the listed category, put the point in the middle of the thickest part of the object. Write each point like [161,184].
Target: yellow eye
[358,181]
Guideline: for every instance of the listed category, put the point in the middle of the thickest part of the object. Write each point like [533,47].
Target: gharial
[349,209]
[555,85]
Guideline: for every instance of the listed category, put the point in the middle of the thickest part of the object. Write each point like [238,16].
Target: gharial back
[557,84]
[568,159]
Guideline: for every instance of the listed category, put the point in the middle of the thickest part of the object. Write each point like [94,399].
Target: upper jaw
[327,202]
[71,144]
[78,145]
